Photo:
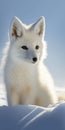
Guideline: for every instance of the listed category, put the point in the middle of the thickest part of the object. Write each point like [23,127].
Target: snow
[52,118]
[30,117]
[3,99]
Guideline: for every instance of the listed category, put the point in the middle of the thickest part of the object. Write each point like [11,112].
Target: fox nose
[34,59]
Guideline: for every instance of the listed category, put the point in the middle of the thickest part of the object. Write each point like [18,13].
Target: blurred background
[29,11]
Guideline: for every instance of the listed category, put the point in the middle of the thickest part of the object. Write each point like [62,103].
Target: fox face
[26,40]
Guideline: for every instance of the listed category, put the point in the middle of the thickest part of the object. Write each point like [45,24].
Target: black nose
[35,59]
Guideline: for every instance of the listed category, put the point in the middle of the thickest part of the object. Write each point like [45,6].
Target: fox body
[26,77]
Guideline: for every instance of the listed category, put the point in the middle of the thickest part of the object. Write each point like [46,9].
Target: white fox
[26,78]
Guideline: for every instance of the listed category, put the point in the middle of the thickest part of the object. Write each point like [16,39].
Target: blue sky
[29,11]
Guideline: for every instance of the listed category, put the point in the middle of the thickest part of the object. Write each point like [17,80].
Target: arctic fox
[26,77]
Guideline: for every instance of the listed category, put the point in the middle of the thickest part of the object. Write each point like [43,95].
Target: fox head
[27,41]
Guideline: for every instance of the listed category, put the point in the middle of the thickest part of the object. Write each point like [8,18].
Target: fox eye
[24,47]
[37,47]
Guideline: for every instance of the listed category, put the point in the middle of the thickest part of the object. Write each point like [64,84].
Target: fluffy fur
[26,77]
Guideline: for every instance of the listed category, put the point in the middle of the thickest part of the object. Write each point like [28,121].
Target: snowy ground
[3,99]
[33,117]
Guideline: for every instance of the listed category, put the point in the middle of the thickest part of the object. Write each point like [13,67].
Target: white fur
[28,82]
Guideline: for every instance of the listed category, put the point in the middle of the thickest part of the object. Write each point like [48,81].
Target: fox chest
[21,77]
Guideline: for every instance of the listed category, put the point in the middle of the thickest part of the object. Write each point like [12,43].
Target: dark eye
[37,47]
[24,47]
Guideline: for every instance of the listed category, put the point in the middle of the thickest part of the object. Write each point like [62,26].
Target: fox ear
[16,28]
[39,26]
